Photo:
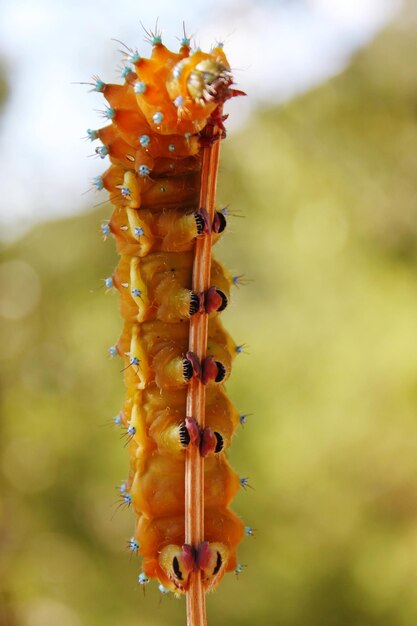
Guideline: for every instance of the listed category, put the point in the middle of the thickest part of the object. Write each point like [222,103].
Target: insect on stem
[194,462]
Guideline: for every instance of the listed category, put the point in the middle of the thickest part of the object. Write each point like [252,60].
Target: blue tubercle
[185,41]
[144,141]
[105,229]
[134,57]
[131,431]
[239,280]
[112,351]
[171,147]
[187,136]
[136,293]
[127,499]
[123,488]
[108,282]
[109,113]
[99,85]
[239,569]
[177,70]
[244,482]
[156,39]
[138,232]
[162,589]
[179,101]
[125,192]
[133,545]
[249,532]
[92,134]
[240,349]
[143,579]
[243,419]
[102,151]
[117,420]
[134,360]
[158,117]
[139,87]
[126,70]
[98,183]
[144,170]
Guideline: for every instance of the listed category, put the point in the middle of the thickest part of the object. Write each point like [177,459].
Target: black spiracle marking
[220,442]
[187,370]
[176,568]
[221,372]
[200,223]
[224,300]
[184,436]
[219,563]
[194,303]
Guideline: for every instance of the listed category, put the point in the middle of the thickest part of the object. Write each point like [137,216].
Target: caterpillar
[166,125]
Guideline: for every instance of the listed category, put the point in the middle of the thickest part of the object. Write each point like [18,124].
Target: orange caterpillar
[162,118]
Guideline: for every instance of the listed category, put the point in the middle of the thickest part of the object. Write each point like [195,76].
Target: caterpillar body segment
[156,352]
[158,128]
[221,484]
[159,564]
[158,417]
[157,286]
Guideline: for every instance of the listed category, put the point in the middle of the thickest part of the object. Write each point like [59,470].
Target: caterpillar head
[208,81]
[201,78]
[177,563]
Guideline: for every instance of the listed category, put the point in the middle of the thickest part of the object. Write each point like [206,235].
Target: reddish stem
[194,462]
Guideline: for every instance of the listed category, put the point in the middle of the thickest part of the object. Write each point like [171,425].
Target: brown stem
[194,463]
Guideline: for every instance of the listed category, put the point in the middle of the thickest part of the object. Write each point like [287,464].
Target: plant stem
[194,462]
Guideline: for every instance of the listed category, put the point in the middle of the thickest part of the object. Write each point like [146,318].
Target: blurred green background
[327,185]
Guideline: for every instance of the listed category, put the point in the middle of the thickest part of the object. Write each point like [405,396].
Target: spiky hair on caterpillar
[164,123]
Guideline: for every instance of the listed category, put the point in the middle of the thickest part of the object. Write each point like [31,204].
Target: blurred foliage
[327,185]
